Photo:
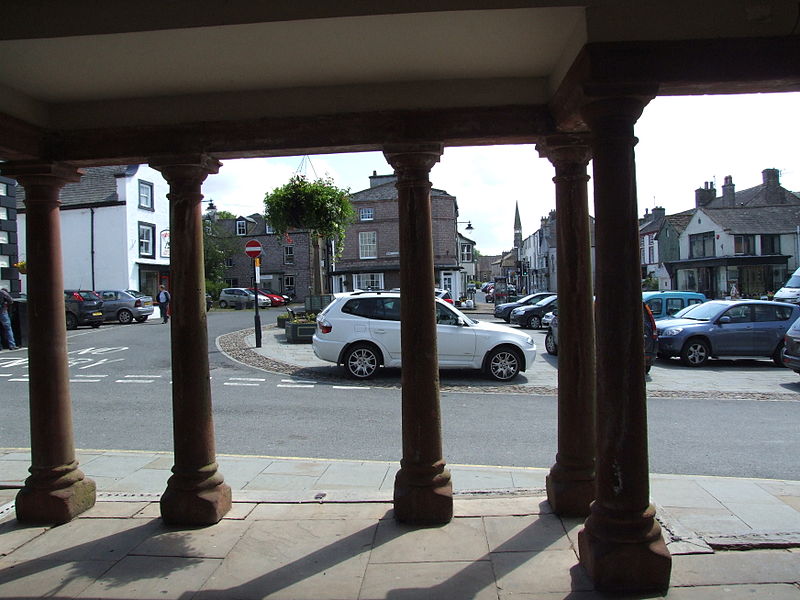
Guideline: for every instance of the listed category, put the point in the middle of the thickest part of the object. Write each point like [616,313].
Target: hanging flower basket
[22,267]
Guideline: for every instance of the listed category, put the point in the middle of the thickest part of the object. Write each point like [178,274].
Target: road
[121,399]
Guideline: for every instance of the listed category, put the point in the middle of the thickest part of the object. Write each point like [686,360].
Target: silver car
[126,307]
[241,298]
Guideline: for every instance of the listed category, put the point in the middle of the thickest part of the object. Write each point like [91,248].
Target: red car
[274,298]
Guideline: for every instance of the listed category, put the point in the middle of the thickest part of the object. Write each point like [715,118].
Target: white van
[790,292]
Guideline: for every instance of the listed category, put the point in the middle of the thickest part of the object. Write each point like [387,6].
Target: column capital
[41,172]
[182,166]
[413,156]
[608,113]
[565,148]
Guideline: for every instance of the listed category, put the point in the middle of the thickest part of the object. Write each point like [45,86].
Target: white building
[114,229]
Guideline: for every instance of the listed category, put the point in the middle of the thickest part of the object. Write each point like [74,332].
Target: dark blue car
[729,329]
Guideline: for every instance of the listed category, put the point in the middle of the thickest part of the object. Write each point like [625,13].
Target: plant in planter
[282,319]
[301,328]
[318,206]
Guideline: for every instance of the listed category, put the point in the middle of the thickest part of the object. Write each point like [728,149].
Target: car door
[735,336]
[455,343]
[770,324]
[111,302]
[384,324]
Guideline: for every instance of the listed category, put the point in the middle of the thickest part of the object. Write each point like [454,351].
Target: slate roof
[98,185]
[763,219]
[386,191]
[756,197]
[680,221]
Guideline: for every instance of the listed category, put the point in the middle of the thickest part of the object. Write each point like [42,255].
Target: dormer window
[241,227]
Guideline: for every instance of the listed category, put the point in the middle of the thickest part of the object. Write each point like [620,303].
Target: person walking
[6,302]
[163,298]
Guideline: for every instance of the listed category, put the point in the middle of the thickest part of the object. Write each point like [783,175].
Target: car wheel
[535,322]
[695,353]
[550,344]
[502,364]
[141,319]
[777,356]
[125,316]
[361,361]
[72,321]
[223,304]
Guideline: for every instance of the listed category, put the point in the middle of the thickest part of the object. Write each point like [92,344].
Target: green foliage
[214,287]
[218,245]
[225,214]
[318,206]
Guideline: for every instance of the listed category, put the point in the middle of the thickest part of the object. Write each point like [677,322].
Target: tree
[318,206]
[218,245]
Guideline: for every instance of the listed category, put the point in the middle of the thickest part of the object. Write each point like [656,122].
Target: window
[147,237]
[386,309]
[366,214]
[229,262]
[232,281]
[241,227]
[146,195]
[466,253]
[288,255]
[3,189]
[701,244]
[368,281]
[738,314]
[268,228]
[368,244]
[3,213]
[770,244]
[744,244]
[765,312]
[288,282]
[674,305]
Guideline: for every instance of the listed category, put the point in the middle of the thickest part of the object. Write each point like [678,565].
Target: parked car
[547,319]
[122,306]
[649,332]
[83,307]
[790,292]
[503,311]
[727,328]
[443,295]
[531,316]
[791,348]
[286,298]
[361,331]
[274,299]
[665,304]
[240,298]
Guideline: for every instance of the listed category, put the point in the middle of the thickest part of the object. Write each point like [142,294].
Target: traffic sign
[252,248]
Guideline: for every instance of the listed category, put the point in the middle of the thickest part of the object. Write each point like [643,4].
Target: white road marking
[5,374]
[133,381]
[350,387]
[142,376]
[297,385]
[25,380]
[240,383]
[247,379]
[91,376]
[85,380]
[296,381]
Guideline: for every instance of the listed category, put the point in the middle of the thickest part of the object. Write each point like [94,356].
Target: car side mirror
[461,322]
[724,319]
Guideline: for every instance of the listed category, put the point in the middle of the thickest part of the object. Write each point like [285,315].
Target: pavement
[307,528]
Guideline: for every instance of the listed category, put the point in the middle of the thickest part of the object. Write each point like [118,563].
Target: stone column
[423,493]
[571,482]
[196,493]
[56,490]
[621,545]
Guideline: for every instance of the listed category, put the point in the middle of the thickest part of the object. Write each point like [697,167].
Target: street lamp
[469,226]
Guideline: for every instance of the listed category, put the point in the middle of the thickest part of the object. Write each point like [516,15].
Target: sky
[683,142]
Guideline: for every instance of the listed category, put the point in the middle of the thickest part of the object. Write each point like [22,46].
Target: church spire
[517,227]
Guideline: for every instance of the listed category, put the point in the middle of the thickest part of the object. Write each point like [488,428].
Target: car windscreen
[794,282]
[704,312]
[546,301]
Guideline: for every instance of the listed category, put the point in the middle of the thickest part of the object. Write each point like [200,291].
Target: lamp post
[469,226]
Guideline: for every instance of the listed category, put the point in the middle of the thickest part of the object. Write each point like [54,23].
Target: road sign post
[253,249]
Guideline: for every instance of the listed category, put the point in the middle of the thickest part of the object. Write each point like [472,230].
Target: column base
[196,498]
[419,501]
[569,497]
[37,503]
[617,564]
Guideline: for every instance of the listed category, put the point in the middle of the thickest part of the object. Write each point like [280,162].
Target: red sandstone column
[621,544]
[196,493]
[423,493]
[571,482]
[56,490]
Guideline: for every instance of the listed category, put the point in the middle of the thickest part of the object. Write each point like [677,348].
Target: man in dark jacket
[6,302]
[163,298]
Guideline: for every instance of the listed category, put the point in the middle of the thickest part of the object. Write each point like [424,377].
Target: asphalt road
[121,400]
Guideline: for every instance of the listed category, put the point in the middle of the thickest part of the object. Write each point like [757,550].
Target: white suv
[361,331]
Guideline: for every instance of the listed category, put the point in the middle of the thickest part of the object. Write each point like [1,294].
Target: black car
[650,337]
[83,307]
[790,355]
[531,316]
[503,311]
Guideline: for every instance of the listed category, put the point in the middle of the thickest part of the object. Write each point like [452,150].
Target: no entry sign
[252,248]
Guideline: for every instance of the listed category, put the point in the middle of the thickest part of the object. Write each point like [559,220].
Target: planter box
[317,303]
[300,333]
[281,322]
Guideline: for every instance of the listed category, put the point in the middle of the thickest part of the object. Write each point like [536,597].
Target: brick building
[371,254]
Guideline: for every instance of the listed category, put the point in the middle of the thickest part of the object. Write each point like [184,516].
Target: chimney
[728,193]
[659,212]
[704,195]
[375,180]
[772,186]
